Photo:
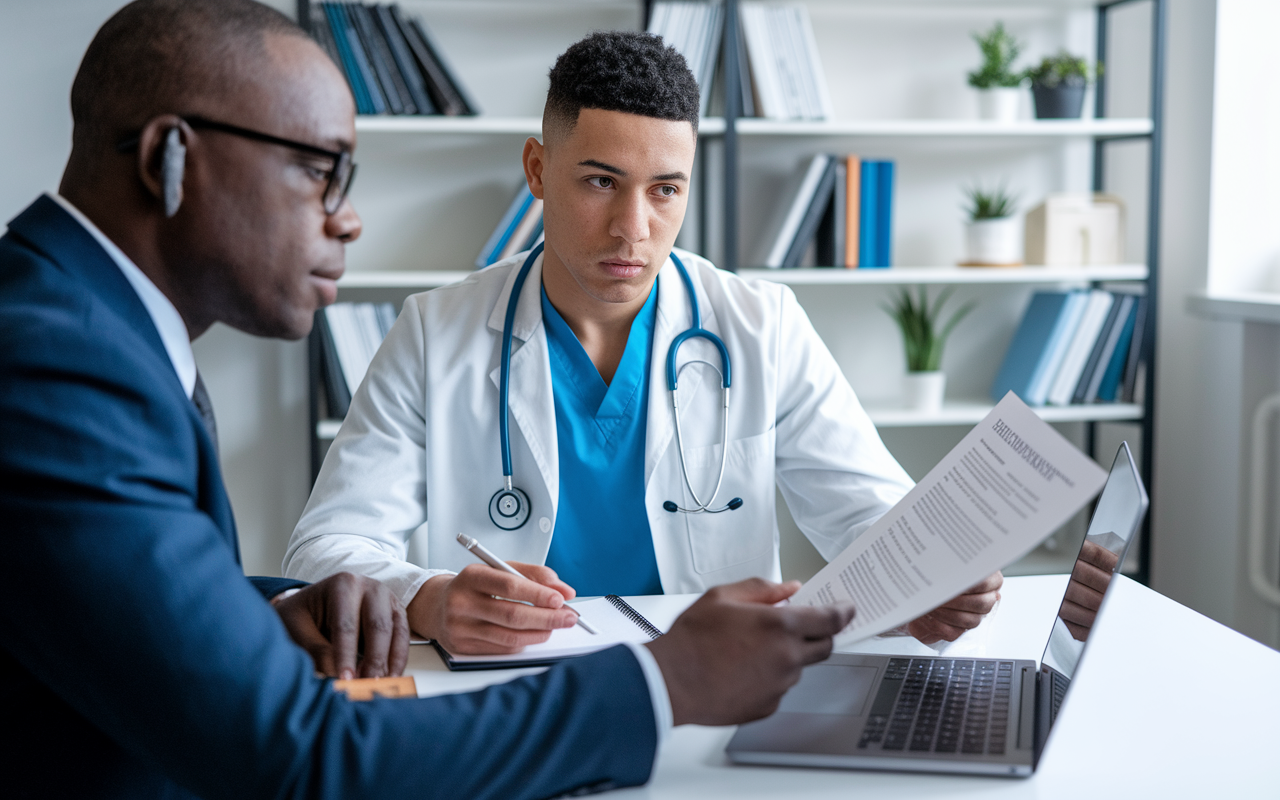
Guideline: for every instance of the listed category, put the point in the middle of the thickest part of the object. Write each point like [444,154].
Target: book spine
[437,87]
[369,41]
[384,62]
[867,221]
[1135,352]
[337,394]
[1087,390]
[466,106]
[840,215]
[884,214]
[853,210]
[814,215]
[795,215]
[338,27]
[524,231]
[505,225]
[1110,384]
[407,67]
[361,57]
[505,239]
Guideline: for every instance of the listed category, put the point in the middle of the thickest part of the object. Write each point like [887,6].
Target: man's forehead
[298,93]
[629,142]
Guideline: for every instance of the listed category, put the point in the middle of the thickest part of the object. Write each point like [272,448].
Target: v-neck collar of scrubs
[606,403]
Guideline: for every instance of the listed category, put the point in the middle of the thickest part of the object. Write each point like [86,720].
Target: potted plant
[1058,84]
[923,337]
[993,237]
[995,80]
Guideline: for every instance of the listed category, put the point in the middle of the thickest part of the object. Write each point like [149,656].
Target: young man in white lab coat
[592,429]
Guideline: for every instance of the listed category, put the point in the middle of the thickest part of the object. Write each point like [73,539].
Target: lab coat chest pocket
[732,538]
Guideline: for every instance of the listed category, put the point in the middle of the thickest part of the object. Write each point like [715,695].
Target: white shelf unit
[431,188]
[966,128]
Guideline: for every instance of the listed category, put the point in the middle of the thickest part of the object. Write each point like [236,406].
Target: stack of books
[519,229]
[785,72]
[843,206]
[350,334]
[1073,347]
[694,30]
[389,60]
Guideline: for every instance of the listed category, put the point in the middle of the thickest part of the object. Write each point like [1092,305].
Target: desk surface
[1144,719]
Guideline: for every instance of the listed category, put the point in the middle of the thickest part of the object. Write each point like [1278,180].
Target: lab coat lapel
[532,404]
[674,317]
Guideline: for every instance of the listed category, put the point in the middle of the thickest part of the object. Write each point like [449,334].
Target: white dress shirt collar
[168,322]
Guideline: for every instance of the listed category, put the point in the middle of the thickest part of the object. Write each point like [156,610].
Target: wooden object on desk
[369,688]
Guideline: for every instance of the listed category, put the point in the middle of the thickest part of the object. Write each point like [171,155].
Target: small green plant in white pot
[993,235]
[999,92]
[923,337]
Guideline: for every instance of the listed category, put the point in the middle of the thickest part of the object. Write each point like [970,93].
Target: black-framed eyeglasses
[340,176]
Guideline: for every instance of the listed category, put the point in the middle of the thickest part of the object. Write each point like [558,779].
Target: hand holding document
[1010,482]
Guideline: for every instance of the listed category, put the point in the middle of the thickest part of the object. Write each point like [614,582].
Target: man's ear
[535,154]
[162,151]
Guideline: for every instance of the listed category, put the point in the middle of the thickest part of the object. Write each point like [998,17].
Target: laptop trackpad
[831,689]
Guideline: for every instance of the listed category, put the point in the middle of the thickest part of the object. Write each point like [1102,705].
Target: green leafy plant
[922,337]
[994,204]
[1062,69]
[999,49]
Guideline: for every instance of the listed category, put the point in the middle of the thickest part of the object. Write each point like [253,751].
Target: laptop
[987,716]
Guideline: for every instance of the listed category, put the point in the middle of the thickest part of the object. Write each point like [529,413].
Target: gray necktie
[200,396]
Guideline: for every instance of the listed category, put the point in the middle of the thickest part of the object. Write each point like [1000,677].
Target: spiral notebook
[615,619]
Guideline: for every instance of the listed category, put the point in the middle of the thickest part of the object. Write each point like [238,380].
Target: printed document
[1010,482]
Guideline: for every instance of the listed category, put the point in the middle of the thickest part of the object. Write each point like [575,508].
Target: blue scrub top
[602,544]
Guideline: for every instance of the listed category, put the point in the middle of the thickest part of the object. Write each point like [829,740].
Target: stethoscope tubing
[696,331]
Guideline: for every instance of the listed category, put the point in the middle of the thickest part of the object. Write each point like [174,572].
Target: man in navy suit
[207,182]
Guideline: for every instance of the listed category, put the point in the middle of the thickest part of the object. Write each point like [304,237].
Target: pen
[482,553]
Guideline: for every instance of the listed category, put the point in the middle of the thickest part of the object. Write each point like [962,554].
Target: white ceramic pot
[1000,105]
[923,391]
[994,242]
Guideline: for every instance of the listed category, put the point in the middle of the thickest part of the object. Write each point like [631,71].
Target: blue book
[884,214]
[341,40]
[1027,360]
[1115,369]
[506,226]
[361,59]
[867,214]
[1056,350]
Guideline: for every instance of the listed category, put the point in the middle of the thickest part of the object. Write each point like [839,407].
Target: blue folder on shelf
[1037,347]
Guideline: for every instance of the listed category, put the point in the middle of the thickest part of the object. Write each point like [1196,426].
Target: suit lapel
[531,399]
[47,228]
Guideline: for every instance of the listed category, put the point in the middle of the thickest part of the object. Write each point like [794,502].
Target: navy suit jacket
[135,658]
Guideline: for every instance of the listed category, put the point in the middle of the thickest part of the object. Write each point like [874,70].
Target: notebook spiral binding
[633,615]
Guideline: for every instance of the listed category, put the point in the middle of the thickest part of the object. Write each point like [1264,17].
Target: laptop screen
[1114,526]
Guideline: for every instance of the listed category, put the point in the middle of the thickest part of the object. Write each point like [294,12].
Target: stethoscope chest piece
[509,508]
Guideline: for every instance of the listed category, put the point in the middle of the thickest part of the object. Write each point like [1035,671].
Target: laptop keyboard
[944,706]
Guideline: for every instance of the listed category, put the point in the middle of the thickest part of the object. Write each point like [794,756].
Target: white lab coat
[420,443]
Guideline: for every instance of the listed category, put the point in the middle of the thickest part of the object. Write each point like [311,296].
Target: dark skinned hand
[948,621]
[344,619]
[731,656]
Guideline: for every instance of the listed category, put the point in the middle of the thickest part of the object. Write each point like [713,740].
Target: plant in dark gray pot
[1058,85]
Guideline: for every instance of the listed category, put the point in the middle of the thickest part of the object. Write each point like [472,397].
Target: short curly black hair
[627,71]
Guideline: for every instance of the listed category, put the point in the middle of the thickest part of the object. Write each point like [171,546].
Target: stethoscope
[509,506]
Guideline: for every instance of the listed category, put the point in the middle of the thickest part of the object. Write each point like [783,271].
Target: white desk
[1144,719]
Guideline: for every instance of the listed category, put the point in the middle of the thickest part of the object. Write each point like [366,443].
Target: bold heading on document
[1037,462]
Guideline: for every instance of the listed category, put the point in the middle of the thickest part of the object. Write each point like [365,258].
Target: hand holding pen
[466,614]
[482,553]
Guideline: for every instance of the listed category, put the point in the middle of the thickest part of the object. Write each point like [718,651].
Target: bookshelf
[431,188]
